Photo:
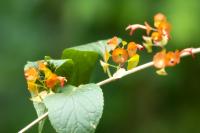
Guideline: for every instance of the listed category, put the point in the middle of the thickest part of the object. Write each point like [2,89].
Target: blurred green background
[140,103]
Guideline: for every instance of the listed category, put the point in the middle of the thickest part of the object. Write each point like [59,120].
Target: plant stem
[34,122]
[136,69]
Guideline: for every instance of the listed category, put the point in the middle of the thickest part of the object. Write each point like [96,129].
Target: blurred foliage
[139,103]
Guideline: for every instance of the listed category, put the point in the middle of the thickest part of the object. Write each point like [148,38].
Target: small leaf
[161,72]
[148,43]
[104,65]
[40,109]
[76,109]
[133,61]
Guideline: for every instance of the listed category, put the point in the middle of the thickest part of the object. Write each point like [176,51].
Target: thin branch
[136,69]
[34,122]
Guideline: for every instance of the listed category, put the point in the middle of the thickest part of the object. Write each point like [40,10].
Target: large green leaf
[76,109]
[85,58]
[84,63]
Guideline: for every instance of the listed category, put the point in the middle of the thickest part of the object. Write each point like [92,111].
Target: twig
[34,122]
[136,69]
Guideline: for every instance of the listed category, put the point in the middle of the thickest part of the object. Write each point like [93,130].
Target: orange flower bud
[132,49]
[156,36]
[119,55]
[159,18]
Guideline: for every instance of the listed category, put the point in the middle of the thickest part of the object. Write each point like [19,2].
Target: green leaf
[84,63]
[85,58]
[63,67]
[98,47]
[133,61]
[76,109]
[40,110]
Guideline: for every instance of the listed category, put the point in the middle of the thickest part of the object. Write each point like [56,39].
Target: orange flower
[158,19]
[132,49]
[31,74]
[120,56]
[41,65]
[52,80]
[165,28]
[159,60]
[163,59]
[113,42]
[156,36]
[172,58]
[32,87]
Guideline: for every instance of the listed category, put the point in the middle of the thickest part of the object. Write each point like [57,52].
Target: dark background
[140,103]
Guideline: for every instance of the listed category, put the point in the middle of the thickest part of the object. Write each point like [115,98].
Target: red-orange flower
[52,80]
[132,49]
[163,59]
[172,58]
[119,55]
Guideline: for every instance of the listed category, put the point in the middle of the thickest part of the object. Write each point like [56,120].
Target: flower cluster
[157,35]
[165,59]
[123,54]
[41,78]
